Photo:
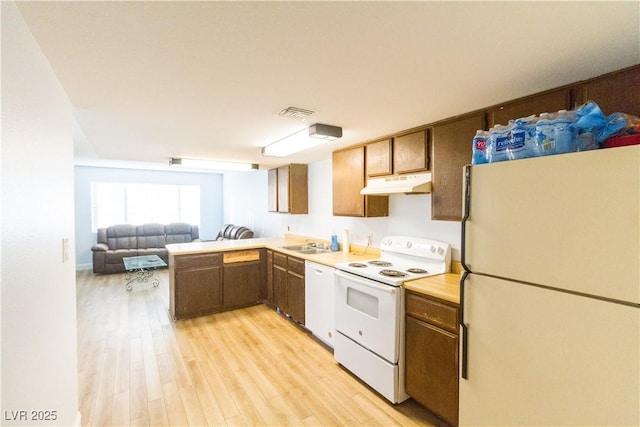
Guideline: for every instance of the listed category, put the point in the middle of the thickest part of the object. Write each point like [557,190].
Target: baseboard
[81,267]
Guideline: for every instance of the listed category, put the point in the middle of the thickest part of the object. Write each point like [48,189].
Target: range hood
[395,184]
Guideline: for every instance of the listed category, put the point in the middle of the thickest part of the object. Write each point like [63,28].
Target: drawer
[197,261]
[241,256]
[433,312]
[296,265]
[280,260]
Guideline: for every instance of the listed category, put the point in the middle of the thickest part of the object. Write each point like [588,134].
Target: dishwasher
[319,301]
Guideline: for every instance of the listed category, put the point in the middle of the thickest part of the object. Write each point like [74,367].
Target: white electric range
[369,309]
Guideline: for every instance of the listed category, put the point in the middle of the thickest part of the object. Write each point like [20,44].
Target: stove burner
[393,273]
[380,263]
[417,270]
[357,265]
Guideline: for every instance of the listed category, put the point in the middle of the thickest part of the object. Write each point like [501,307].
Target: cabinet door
[280,287]
[616,92]
[432,368]
[292,189]
[378,158]
[283,189]
[298,189]
[198,291]
[546,102]
[272,189]
[451,151]
[410,153]
[269,295]
[242,284]
[348,179]
[295,296]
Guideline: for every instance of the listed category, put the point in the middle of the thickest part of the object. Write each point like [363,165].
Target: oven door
[368,312]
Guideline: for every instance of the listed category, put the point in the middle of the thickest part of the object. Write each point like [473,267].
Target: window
[127,203]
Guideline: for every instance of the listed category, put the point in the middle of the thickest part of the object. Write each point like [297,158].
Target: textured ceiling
[154,80]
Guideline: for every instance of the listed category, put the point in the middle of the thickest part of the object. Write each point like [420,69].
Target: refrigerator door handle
[466,213]
[463,327]
[464,332]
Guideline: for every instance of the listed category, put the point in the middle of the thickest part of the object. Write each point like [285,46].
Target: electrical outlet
[65,249]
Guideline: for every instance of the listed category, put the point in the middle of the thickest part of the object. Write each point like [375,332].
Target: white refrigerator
[550,297]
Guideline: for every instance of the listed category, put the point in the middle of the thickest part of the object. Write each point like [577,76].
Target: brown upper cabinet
[451,151]
[401,154]
[288,189]
[410,153]
[348,170]
[378,158]
[615,92]
[545,102]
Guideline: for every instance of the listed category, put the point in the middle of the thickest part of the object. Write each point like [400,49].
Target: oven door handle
[366,282]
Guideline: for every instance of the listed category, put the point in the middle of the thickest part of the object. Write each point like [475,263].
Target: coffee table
[141,268]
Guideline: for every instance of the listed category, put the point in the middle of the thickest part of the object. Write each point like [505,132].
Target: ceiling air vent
[296,113]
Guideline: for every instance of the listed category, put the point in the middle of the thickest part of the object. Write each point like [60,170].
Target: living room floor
[244,367]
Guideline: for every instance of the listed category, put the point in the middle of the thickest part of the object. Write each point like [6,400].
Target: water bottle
[334,243]
[480,148]
[545,144]
[517,148]
[565,132]
[498,143]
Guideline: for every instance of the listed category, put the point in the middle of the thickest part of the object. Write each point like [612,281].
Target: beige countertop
[443,286]
[330,259]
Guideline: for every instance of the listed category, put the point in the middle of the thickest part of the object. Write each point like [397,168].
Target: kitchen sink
[294,247]
[314,251]
[306,249]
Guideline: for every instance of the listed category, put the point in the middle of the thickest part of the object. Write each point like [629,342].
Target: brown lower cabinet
[431,355]
[202,284]
[287,283]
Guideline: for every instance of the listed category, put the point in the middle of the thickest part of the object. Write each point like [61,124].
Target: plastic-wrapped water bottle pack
[584,128]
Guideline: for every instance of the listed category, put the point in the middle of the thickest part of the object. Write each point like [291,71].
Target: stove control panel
[416,246]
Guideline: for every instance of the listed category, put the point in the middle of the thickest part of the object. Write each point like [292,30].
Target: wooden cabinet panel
[432,368]
[272,188]
[441,315]
[288,189]
[378,158]
[615,92]
[284,204]
[198,291]
[546,102]
[295,296]
[270,292]
[348,178]
[243,281]
[288,285]
[279,286]
[410,153]
[295,265]
[451,151]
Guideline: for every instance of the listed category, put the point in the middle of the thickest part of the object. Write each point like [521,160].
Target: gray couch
[125,240]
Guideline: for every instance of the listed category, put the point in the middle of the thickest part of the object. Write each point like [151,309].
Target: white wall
[210,201]
[245,203]
[39,347]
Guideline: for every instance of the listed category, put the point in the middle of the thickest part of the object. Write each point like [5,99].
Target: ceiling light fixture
[212,164]
[302,140]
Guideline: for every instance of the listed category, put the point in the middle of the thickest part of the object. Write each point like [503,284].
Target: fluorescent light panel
[212,164]
[302,140]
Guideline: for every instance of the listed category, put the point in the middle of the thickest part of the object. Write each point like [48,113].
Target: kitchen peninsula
[209,277]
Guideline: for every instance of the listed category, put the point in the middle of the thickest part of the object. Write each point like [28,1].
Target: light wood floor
[243,367]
